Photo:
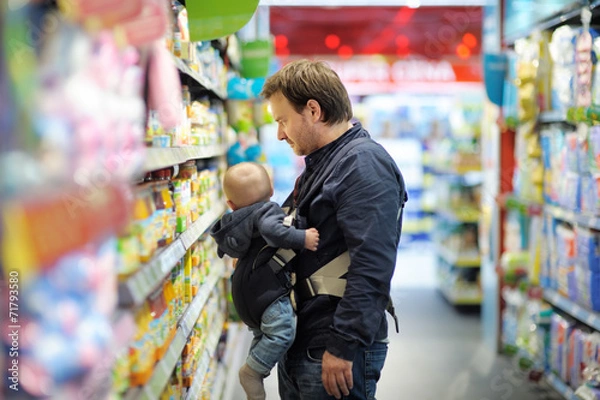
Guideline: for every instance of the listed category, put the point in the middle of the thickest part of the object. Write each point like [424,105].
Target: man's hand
[311,241]
[336,375]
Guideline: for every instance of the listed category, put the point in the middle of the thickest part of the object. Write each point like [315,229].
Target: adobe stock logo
[458,23]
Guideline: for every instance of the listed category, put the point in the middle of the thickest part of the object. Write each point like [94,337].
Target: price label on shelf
[171,256]
[589,317]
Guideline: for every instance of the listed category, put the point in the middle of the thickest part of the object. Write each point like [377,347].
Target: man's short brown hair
[302,80]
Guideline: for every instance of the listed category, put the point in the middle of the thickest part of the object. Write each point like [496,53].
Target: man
[341,342]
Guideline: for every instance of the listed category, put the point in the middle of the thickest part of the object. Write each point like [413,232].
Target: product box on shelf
[570,191]
[590,193]
[560,331]
[594,149]
[565,267]
[587,292]
[562,51]
[588,248]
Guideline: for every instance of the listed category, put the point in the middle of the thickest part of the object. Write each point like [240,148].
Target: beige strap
[289,219]
[328,279]
[317,285]
[335,268]
[284,255]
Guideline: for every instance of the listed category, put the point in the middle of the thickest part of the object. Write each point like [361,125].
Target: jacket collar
[318,156]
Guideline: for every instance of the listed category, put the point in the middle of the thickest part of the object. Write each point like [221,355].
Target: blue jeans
[275,336]
[300,374]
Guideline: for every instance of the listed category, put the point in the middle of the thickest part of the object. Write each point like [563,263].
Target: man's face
[296,129]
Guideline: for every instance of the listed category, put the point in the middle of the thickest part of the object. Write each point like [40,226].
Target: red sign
[379,74]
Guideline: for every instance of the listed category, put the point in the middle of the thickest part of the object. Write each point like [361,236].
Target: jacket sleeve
[270,226]
[367,197]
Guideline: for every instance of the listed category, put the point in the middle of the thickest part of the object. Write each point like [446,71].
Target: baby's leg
[276,335]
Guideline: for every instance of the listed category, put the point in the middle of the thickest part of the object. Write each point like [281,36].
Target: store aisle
[438,353]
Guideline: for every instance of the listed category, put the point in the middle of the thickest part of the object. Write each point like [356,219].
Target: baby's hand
[311,241]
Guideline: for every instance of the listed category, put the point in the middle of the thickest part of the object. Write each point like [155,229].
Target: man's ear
[231,205]
[314,108]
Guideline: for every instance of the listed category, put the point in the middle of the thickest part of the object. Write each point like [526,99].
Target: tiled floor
[438,353]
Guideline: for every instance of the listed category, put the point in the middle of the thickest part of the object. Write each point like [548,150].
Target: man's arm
[367,201]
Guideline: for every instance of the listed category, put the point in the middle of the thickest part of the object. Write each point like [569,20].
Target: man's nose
[281,134]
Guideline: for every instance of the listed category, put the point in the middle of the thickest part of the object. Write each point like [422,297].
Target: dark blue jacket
[356,210]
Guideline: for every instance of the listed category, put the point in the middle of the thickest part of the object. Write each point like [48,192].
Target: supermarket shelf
[204,82]
[570,14]
[454,259]
[552,117]
[572,217]
[460,300]
[137,288]
[219,384]
[455,170]
[561,387]
[234,334]
[464,215]
[162,371]
[585,392]
[192,313]
[513,202]
[575,310]
[237,358]
[158,158]
[164,368]
[202,224]
[211,346]
[45,227]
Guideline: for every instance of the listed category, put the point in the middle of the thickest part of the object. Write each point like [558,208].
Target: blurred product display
[549,254]
[116,135]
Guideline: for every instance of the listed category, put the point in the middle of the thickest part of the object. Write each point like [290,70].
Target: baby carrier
[271,274]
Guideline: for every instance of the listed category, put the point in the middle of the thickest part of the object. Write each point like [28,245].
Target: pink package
[164,87]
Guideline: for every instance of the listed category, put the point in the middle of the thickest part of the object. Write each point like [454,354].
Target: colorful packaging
[562,51]
[588,248]
[560,332]
[594,148]
[588,288]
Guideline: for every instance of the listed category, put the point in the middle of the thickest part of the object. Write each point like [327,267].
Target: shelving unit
[211,346]
[455,170]
[526,207]
[219,384]
[589,221]
[158,158]
[202,81]
[568,14]
[534,242]
[466,215]
[455,235]
[588,317]
[228,363]
[561,387]
[164,368]
[553,117]
[459,299]
[584,393]
[456,260]
[135,289]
